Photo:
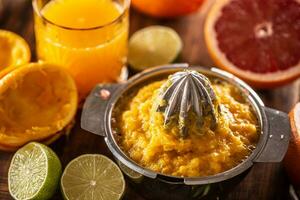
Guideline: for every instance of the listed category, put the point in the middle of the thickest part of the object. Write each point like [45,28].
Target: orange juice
[88,37]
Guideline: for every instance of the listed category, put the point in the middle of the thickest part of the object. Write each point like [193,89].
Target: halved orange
[14,50]
[258,41]
[167,8]
[291,160]
[46,141]
[37,101]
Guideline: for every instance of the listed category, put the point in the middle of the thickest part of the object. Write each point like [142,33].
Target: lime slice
[34,172]
[133,175]
[153,46]
[92,176]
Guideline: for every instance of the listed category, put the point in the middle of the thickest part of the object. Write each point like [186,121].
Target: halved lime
[93,177]
[153,46]
[34,172]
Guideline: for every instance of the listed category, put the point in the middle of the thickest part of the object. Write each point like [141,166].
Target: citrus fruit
[34,172]
[37,101]
[14,50]
[93,177]
[47,141]
[6,70]
[167,8]
[258,41]
[291,160]
[153,46]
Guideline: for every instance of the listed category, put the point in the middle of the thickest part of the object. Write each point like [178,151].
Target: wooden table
[264,182]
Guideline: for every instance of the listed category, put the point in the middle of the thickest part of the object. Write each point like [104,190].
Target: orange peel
[37,101]
[14,50]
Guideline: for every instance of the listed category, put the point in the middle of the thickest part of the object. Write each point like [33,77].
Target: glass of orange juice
[87,37]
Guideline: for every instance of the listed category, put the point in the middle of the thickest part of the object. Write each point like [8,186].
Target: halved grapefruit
[258,41]
[291,160]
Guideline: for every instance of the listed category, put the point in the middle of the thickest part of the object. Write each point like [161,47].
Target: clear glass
[93,54]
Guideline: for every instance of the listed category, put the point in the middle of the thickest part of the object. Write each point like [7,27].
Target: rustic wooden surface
[264,182]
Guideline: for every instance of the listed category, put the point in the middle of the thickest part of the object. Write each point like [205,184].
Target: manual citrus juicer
[186,96]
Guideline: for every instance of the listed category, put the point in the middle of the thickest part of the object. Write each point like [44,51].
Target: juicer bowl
[273,141]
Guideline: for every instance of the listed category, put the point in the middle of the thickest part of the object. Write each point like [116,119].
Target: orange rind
[14,50]
[37,101]
[167,8]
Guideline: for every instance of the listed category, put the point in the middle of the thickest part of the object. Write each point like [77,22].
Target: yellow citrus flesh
[36,102]
[46,141]
[204,151]
[14,50]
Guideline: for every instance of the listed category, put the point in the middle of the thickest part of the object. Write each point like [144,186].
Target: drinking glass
[92,55]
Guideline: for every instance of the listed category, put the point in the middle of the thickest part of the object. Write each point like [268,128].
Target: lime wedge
[93,177]
[34,172]
[153,46]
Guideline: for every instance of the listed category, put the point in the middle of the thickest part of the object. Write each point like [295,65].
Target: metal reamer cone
[187,96]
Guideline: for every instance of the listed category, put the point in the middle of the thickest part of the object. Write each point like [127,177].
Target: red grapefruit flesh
[259,41]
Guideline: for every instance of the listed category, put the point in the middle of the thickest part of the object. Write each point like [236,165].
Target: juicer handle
[93,117]
[279,136]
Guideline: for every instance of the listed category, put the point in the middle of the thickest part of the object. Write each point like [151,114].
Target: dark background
[264,182]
